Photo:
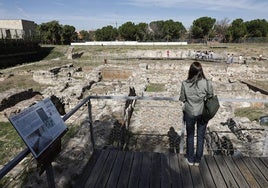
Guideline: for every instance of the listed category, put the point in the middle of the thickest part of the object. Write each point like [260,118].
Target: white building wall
[127,43]
[11,24]
[16,28]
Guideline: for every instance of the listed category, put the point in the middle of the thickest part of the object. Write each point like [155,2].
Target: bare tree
[220,29]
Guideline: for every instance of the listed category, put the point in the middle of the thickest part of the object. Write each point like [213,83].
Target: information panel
[39,126]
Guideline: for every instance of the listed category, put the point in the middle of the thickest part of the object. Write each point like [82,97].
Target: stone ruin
[70,84]
[159,119]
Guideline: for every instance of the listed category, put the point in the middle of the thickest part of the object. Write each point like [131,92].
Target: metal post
[50,176]
[90,123]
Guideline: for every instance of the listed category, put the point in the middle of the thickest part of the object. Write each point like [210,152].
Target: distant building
[16,29]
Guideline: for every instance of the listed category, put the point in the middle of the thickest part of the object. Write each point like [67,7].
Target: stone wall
[16,98]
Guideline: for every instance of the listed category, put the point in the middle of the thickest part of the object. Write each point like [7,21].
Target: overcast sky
[94,14]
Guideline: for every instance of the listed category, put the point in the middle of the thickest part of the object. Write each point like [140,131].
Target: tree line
[55,33]
[205,28]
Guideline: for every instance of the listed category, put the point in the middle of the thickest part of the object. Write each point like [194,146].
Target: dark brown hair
[195,73]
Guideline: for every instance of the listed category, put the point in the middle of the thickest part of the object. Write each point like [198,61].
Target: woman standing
[194,90]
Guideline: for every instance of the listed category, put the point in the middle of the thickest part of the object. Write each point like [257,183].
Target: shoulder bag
[211,106]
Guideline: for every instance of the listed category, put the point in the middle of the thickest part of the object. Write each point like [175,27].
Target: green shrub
[251,113]
[155,87]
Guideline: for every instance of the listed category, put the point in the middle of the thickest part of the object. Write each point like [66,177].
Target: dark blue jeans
[190,122]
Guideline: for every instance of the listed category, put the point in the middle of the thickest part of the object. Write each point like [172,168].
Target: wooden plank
[129,169]
[115,173]
[144,180]
[246,172]
[88,169]
[205,174]
[239,178]
[215,173]
[155,180]
[165,176]
[196,177]
[185,172]
[264,169]
[227,175]
[176,180]
[265,161]
[135,171]
[125,171]
[255,172]
[106,170]
[96,172]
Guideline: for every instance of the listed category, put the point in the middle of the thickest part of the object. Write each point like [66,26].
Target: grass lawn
[10,142]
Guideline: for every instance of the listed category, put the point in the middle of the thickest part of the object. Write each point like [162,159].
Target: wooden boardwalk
[112,168]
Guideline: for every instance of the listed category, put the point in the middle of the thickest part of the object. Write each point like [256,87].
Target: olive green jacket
[193,95]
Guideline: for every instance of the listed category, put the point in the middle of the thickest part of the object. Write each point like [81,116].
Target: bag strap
[185,93]
[206,91]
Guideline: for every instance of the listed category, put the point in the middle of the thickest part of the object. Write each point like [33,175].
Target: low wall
[128,43]
[14,99]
